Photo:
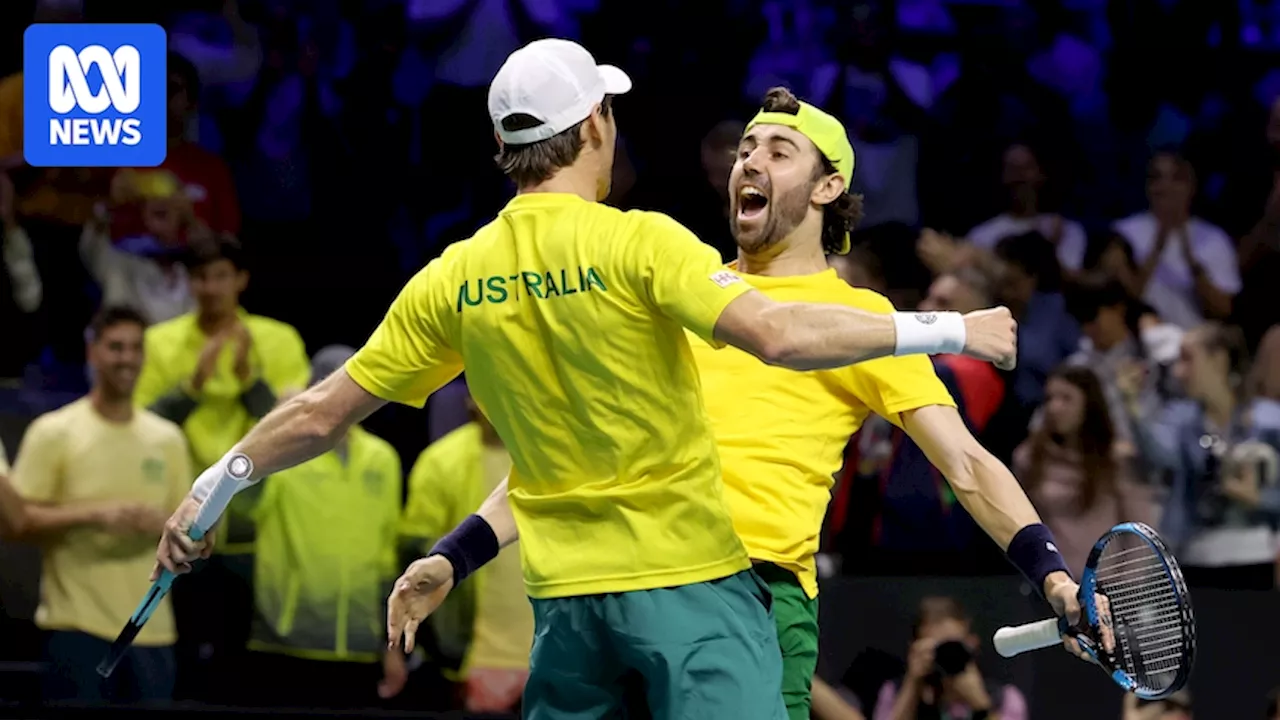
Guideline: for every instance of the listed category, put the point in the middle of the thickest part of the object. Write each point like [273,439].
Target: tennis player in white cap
[569,316]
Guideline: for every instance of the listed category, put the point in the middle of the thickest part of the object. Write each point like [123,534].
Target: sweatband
[234,466]
[928,333]
[468,547]
[1035,554]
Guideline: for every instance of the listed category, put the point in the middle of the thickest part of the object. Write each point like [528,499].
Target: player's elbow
[775,341]
[962,463]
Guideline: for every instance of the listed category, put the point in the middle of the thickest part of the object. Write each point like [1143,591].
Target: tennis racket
[1150,608]
[238,468]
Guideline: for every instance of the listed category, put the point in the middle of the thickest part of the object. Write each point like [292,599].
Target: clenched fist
[992,335]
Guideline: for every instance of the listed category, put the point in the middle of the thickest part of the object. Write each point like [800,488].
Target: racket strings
[1146,613]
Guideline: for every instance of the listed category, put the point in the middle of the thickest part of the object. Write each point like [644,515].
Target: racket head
[1150,608]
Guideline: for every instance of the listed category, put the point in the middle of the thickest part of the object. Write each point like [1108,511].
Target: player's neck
[784,259]
[113,409]
[212,323]
[573,180]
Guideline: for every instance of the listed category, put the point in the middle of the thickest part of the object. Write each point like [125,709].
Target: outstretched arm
[496,510]
[301,428]
[804,336]
[993,497]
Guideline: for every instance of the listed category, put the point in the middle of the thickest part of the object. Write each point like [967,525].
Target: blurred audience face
[947,630]
[1107,328]
[1200,370]
[771,185]
[1064,406]
[1170,187]
[948,292]
[1022,176]
[115,357]
[217,287]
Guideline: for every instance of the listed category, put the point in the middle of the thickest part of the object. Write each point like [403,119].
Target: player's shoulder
[652,221]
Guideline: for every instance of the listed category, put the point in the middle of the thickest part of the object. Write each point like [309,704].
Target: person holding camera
[943,681]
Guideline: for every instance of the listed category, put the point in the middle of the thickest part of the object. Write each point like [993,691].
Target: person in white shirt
[1024,179]
[1187,268]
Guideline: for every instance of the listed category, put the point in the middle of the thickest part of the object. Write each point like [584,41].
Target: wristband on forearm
[1036,555]
[928,333]
[472,544]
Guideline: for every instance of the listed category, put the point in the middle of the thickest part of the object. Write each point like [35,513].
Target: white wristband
[928,333]
[234,466]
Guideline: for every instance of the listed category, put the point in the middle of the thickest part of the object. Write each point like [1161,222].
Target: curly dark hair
[841,215]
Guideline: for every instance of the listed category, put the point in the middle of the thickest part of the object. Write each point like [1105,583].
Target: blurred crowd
[1110,171]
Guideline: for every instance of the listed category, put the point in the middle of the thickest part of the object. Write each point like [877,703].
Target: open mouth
[751,203]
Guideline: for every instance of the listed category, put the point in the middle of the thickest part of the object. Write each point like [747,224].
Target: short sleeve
[687,281]
[407,358]
[426,511]
[37,469]
[890,386]
[1219,258]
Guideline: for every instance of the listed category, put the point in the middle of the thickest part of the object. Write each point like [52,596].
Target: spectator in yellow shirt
[99,477]
[491,624]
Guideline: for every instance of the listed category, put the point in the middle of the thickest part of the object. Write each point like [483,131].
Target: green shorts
[706,650]
[796,615]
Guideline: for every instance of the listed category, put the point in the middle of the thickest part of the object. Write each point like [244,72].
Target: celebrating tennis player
[781,434]
[569,318]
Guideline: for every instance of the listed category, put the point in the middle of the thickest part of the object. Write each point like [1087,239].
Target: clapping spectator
[943,679]
[99,478]
[1217,448]
[216,371]
[1187,267]
[1027,211]
[1079,479]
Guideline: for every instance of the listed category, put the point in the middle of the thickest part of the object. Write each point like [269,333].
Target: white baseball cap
[555,81]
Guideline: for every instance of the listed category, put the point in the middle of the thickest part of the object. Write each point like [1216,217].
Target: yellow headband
[826,133]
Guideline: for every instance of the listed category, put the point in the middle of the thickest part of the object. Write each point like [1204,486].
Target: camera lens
[951,657]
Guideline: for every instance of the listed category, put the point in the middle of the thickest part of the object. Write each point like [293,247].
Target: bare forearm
[908,698]
[828,705]
[13,514]
[307,425]
[44,520]
[496,510]
[990,493]
[818,337]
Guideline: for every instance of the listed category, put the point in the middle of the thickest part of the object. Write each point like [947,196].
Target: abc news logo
[69,91]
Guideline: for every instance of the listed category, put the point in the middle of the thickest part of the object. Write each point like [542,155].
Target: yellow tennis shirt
[568,316]
[782,433]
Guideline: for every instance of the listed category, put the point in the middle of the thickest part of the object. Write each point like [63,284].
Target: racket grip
[1010,641]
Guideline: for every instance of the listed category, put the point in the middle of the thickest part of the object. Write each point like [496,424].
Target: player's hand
[920,658]
[992,335]
[177,550]
[395,673]
[417,594]
[1064,595]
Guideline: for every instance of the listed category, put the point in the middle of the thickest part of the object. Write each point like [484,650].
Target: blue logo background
[152,113]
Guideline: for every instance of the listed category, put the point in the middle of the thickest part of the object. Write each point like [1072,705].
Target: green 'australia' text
[539,285]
